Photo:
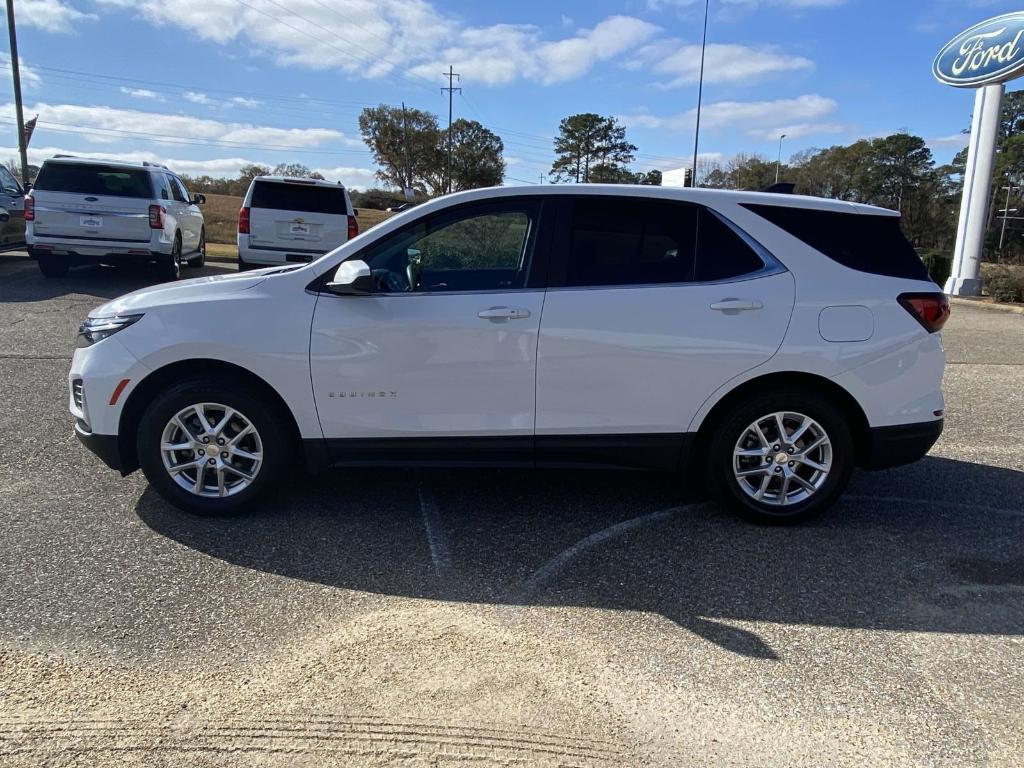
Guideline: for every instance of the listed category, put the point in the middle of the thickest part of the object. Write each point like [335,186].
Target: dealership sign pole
[984,57]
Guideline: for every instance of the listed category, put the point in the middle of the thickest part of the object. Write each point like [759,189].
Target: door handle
[503,313]
[736,305]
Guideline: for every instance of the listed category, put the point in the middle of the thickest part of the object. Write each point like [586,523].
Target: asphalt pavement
[441,618]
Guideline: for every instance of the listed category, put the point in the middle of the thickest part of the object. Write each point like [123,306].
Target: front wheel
[213,446]
[782,458]
[170,266]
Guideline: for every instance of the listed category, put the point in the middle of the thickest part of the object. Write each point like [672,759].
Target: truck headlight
[98,328]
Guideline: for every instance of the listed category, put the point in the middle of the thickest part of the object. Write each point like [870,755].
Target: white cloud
[135,125]
[679,63]
[391,38]
[242,101]
[141,93]
[802,116]
[50,15]
[29,77]
[956,141]
[657,5]
[197,98]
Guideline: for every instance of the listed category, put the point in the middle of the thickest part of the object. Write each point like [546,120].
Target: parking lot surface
[440,618]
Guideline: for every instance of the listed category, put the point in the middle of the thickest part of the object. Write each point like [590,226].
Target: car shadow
[934,547]
[100,281]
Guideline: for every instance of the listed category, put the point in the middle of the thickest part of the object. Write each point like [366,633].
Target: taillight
[353,227]
[156,217]
[30,208]
[243,221]
[931,310]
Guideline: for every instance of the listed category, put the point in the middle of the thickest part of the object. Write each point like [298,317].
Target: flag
[29,127]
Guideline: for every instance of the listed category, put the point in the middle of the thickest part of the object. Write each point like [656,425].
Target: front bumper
[902,444]
[107,447]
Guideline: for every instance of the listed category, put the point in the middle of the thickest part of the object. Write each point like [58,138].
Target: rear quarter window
[84,179]
[864,242]
[309,198]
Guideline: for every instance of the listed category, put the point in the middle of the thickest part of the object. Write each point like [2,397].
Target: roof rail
[781,188]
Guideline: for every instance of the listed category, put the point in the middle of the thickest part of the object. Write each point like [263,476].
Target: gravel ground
[433,618]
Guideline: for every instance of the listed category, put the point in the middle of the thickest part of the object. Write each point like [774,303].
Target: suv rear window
[311,198]
[865,242]
[86,179]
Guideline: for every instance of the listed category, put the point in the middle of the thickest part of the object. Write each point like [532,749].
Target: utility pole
[407,187]
[451,75]
[700,90]
[1006,215]
[778,163]
[16,71]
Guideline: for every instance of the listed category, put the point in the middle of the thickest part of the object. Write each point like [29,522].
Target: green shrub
[939,266]
[1006,285]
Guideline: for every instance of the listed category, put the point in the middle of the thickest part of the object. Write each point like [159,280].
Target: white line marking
[439,552]
[554,567]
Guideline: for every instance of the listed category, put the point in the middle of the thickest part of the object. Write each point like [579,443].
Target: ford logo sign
[989,52]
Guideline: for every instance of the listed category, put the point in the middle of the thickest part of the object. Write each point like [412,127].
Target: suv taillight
[156,217]
[353,227]
[30,208]
[243,221]
[931,310]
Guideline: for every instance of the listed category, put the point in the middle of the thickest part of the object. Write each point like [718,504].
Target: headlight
[98,328]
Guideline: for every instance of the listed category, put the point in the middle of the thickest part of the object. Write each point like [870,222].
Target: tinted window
[310,198]
[721,253]
[177,191]
[864,242]
[165,188]
[87,179]
[477,248]
[185,196]
[623,242]
[9,183]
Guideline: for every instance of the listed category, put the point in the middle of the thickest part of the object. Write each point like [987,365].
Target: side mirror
[355,211]
[353,278]
[198,199]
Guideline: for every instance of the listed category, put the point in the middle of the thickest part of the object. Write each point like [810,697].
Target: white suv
[292,220]
[98,212]
[771,342]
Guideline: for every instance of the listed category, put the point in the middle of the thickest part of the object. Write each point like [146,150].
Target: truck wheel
[199,259]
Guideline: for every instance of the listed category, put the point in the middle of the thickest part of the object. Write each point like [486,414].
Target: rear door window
[864,242]
[625,241]
[721,253]
[89,179]
[310,198]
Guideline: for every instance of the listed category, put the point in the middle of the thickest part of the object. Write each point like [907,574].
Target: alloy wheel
[211,450]
[782,458]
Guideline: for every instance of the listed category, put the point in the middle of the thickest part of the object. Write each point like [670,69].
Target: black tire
[52,266]
[275,441]
[244,266]
[170,266]
[199,260]
[734,425]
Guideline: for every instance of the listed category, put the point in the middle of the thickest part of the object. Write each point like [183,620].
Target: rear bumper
[268,256]
[903,444]
[106,447]
[77,255]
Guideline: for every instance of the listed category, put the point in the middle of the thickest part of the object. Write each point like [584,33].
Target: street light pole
[778,163]
[16,72]
[700,90]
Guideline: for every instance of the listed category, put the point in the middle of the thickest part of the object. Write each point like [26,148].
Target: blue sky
[206,85]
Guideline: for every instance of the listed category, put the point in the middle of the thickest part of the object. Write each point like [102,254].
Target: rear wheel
[170,265]
[199,259]
[782,458]
[52,266]
[212,446]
